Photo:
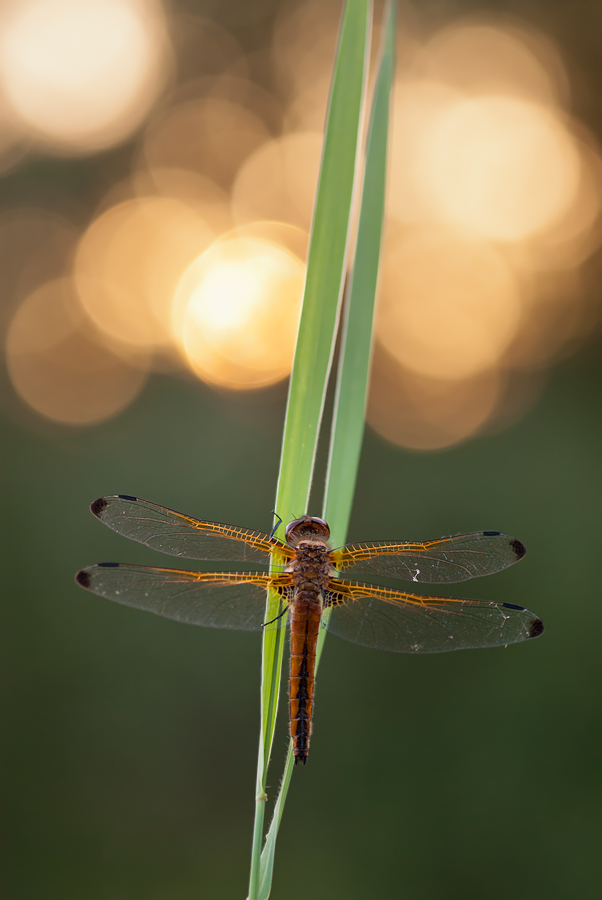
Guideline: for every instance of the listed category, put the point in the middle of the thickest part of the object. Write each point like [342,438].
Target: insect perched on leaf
[308,584]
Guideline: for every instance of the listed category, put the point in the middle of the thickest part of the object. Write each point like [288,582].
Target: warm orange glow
[306,111]
[195,256]
[279,181]
[305,42]
[577,234]
[494,202]
[36,245]
[13,143]
[449,307]
[129,263]
[493,59]
[416,106]
[203,47]
[554,319]
[209,136]
[57,367]
[426,413]
[190,188]
[502,167]
[303,52]
[281,234]
[82,75]
[237,312]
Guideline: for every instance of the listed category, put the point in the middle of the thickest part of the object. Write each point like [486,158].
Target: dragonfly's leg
[277,525]
[279,616]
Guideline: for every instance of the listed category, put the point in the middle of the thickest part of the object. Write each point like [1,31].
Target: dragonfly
[307,583]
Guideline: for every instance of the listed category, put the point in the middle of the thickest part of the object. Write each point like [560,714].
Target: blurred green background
[130,742]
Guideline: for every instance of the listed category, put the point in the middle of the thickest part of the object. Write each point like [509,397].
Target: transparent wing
[445,560]
[408,623]
[213,599]
[179,535]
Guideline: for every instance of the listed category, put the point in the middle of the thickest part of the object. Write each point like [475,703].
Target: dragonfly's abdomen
[311,571]
[305,618]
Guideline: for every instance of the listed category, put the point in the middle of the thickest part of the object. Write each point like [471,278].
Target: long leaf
[356,344]
[352,379]
[327,260]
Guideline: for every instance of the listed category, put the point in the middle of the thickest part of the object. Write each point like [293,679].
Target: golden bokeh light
[14,144]
[555,318]
[210,136]
[36,246]
[236,88]
[202,47]
[82,76]
[129,263]
[427,413]
[283,235]
[449,306]
[304,42]
[58,368]
[502,167]
[574,237]
[237,312]
[192,189]
[494,203]
[306,110]
[496,59]
[193,258]
[416,106]
[278,181]
[302,54]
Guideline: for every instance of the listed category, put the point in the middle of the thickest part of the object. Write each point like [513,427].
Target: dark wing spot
[536,628]
[491,533]
[83,578]
[109,565]
[518,548]
[126,497]
[512,606]
[98,506]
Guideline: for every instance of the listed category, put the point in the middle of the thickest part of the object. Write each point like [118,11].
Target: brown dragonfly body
[311,570]
[308,583]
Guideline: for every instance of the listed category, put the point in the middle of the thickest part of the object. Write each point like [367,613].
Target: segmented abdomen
[305,617]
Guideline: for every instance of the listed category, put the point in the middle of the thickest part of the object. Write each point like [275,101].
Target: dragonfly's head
[306,527]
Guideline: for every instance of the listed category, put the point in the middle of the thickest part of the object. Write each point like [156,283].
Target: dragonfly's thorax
[311,567]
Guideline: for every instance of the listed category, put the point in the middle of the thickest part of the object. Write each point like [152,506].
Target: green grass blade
[354,361]
[269,850]
[352,379]
[326,266]
[356,343]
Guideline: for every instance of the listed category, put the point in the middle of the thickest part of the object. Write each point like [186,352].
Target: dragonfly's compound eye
[306,527]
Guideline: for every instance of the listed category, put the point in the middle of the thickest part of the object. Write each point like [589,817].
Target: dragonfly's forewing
[179,535]
[213,599]
[407,623]
[445,560]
